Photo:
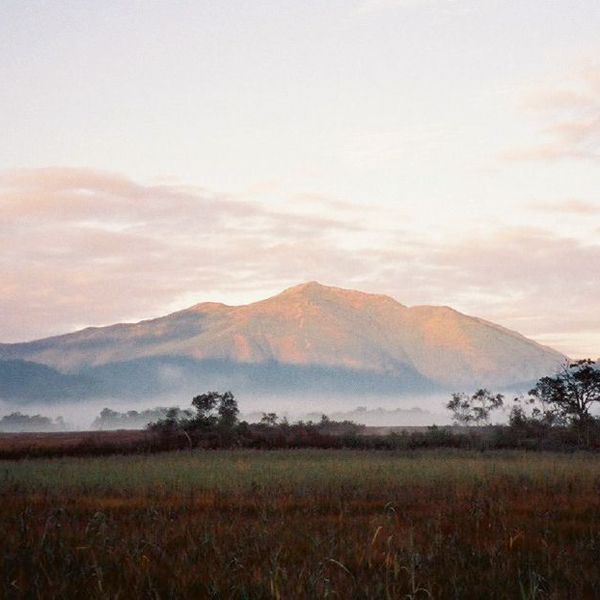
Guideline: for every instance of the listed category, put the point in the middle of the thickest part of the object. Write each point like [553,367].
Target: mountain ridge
[311,325]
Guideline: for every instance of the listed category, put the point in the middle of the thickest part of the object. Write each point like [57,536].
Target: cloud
[91,248]
[525,278]
[570,121]
[528,279]
[84,247]
[570,206]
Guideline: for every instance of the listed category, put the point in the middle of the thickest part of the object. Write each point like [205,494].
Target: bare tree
[475,408]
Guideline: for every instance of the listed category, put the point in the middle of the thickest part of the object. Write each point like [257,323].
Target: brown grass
[72,442]
[69,439]
[302,525]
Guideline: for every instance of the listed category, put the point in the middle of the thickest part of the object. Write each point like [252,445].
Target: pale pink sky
[161,154]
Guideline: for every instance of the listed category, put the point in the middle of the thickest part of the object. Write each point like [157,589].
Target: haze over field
[428,152]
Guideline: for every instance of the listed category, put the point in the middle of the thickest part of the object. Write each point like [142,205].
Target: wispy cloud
[526,278]
[84,247]
[570,206]
[570,121]
[90,248]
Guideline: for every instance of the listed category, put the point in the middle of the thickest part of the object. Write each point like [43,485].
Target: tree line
[213,422]
[556,408]
[556,414]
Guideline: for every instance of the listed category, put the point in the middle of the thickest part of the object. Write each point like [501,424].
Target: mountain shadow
[160,375]
[28,381]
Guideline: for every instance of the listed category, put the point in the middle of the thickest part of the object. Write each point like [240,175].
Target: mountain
[22,380]
[306,336]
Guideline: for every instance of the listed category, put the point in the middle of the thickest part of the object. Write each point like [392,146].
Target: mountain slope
[312,325]
[22,380]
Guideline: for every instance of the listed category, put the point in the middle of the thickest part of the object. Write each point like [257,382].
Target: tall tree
[573,390]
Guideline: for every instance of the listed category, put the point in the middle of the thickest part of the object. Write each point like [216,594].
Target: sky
[157,154]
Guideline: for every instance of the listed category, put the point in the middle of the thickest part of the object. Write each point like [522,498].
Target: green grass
[292,470]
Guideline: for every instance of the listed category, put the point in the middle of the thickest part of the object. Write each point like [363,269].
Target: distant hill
[308,337]
[22,380]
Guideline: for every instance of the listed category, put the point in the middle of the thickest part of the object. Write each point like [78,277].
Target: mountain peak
[209,307]
[315,291]
[314,325]
[307,287]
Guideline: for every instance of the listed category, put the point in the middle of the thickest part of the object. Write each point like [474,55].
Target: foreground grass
[302,524]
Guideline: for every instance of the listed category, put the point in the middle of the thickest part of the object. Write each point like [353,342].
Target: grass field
[302,524]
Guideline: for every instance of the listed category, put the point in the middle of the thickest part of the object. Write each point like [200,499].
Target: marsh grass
[302,524]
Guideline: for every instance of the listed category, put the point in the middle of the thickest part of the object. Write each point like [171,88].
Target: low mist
[365,410]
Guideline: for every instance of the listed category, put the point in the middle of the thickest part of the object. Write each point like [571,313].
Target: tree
[216,418]
[474,409]
[228,411]
[531,410]
[19,422]
[215,410]
[205,405]
[269,419]
[572,391]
